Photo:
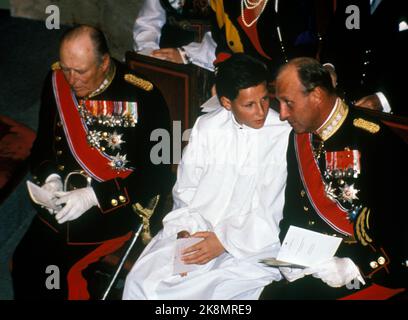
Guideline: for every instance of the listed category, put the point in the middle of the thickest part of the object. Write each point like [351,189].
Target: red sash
[77,284]
[330,211]
[95,163]
[373,292]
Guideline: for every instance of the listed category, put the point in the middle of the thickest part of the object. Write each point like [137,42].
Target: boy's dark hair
[97,37]
[240,71]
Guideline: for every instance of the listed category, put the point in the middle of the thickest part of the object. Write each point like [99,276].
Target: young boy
[229,192]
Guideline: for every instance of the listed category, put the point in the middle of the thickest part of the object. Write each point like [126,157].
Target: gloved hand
[292,274]
[52,184]
[336,272]
[76,203]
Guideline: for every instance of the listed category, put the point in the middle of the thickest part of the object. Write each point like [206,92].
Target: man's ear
[226,103]
[105,62]
[317,95]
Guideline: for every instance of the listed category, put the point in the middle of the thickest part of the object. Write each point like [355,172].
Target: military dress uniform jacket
[124,115]
[362,171]
[296,22]
[369,56]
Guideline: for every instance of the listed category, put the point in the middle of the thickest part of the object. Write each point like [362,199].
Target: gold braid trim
[361,224]
[145,214]
[366,125]
[55,66]
[138,82]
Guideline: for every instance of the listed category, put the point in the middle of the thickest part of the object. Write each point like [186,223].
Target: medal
[115,140]
[348,193]
[118,162]
[344,163]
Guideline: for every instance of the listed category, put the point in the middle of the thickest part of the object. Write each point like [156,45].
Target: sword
[122,261]
[145,214]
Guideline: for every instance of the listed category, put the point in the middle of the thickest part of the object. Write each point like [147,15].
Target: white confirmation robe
[231,181]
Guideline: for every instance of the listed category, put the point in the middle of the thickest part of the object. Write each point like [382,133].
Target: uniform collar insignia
[334,120]
[105,83]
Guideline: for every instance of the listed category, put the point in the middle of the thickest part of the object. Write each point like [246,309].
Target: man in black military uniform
[344,173]
[92,153]
[366,44]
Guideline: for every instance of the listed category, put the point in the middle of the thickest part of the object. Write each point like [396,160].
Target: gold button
[374,264]
[302,193]
[61,167]
[306,208]
[59,124]
[35,177]
[58,138]
[114,202]
[104,134]
[59,152]
[102,149]
[381,261]
[122,199]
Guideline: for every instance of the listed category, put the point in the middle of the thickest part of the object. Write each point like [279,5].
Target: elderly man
[92,154]
[343,167]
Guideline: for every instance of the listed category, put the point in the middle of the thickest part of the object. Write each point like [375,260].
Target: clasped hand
[76,203]
[204,251]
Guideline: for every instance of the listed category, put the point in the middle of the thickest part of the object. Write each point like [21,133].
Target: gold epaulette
[366,125]
[138,82]
[55,66]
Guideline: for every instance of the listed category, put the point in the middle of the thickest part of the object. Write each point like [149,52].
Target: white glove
[52,184]
[336,272]
[76,203]
[292,274]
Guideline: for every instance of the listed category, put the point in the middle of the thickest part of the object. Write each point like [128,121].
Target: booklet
[42,197]
[304,248]
[181,244]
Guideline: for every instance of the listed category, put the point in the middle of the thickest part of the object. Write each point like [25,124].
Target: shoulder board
[138,82]
[366,125]
[55,66]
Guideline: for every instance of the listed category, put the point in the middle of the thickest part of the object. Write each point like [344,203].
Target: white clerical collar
[236,123]
[335,119]
[243,126]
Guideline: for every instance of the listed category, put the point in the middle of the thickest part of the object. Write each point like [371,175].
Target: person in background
[365,49]
[272,31]
[162,30]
